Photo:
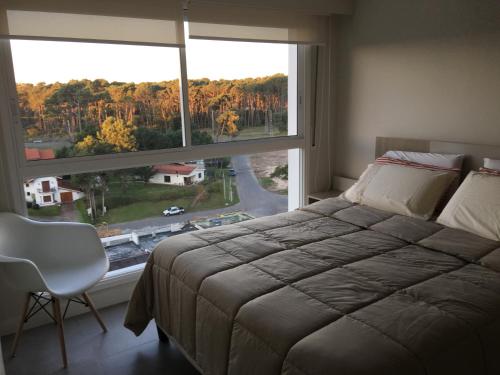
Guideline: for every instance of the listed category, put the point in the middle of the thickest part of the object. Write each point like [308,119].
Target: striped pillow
[384,160]
[489,171]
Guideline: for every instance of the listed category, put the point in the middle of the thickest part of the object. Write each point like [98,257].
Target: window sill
[119,277]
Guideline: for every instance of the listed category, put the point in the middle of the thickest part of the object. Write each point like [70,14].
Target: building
[178,174]
[33,154]
[47,191]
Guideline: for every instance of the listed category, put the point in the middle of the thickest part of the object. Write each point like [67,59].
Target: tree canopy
[100,116]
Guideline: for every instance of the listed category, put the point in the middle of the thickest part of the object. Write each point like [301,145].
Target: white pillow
[401,189]
[452,161]
[354,193]
[475,207]
[492,164]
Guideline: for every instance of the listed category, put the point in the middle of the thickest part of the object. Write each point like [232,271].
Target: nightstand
[315,197]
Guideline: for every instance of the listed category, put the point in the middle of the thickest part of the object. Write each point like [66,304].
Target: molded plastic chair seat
[73,281]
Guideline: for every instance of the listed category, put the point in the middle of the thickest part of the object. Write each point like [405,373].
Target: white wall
[37,197]
[426,69]
[177,179]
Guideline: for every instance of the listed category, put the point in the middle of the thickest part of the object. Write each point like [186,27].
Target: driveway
[254,199]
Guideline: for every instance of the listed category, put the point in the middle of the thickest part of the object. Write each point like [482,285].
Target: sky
[48,61]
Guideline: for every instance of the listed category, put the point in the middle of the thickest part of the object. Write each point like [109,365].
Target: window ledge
[120,277]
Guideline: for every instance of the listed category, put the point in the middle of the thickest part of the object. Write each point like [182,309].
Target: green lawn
[44,211]
[251,133]
[140,200]
[266,182]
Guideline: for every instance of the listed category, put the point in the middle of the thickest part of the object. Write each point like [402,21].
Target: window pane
[79,99]
[176,198]
[240,90]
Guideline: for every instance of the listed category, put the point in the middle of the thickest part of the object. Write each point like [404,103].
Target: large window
[85,99]
[133,209]
[242,93]
[145,130]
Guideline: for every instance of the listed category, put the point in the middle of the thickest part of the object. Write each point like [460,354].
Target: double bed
[331,288]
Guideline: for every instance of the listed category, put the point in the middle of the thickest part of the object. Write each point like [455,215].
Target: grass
[251,133]
[82,211]
[266,182]
[45,211]
[140,200]
[148,202]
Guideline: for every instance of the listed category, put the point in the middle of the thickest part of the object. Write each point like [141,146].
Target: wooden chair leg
[56,305]
[21,324]
[89,302]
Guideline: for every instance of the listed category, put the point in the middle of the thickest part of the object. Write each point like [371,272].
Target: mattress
[332,288]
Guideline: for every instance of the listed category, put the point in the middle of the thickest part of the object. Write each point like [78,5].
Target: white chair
[50,262]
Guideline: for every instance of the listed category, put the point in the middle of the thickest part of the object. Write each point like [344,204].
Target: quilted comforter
[333,288]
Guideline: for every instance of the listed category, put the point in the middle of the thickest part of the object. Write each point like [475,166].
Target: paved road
[254,200]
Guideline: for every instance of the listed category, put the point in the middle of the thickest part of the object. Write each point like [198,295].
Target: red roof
[175,168]
[39,153]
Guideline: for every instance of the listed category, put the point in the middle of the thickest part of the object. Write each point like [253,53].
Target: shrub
[215,187]
[281,171]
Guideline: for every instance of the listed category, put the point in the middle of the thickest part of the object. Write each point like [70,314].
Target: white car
[174,210]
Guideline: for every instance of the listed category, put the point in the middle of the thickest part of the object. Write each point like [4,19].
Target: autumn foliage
[100,116]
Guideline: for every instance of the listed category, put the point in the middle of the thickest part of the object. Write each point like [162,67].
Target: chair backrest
[15,235]
[16,267]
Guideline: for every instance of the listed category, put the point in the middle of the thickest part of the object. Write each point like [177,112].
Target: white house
[179,174]
[47,191]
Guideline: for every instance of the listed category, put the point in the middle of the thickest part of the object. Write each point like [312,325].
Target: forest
[85,117]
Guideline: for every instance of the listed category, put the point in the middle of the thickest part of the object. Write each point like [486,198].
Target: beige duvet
[333,288]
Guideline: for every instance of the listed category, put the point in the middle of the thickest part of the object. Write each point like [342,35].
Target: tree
[145,173]
[80,108]
[281,171]
[148,139]
[201,138]
[227,123]
[88,183]
[114,136]
[70,99]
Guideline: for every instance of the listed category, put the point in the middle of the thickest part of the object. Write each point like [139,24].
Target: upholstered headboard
[474,153]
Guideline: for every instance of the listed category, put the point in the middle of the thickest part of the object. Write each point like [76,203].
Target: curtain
[245,23]
[150,22]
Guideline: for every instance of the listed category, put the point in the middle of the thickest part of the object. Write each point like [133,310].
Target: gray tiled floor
[92,352]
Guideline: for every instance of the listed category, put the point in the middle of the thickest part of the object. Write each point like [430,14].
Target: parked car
[231,172]
[174,210]
[215,222]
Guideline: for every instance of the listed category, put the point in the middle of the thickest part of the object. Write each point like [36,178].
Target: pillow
[452,161]
[492,164]
[475,207]
[494,172]
[401,187]
[355,192]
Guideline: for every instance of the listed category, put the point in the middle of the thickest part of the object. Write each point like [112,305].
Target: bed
[332,288]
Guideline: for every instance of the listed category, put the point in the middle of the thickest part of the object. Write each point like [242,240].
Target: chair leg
[21,324]
[56,305]
[94,311]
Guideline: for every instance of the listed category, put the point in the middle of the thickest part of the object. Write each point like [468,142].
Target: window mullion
[184,95]
[137,159]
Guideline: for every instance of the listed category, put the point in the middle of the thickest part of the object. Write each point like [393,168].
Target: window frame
[21,169]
